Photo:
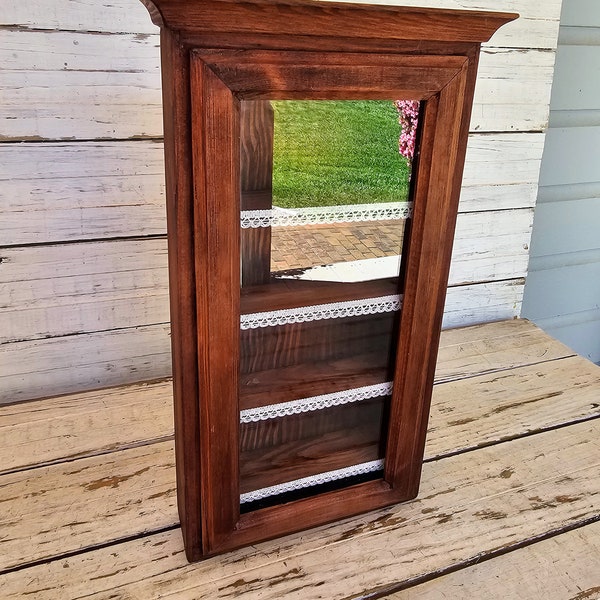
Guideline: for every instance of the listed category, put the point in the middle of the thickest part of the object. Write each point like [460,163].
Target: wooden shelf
[326,340]
[296,447]
[304,380]
[292,293]
[260,435]
[301,360]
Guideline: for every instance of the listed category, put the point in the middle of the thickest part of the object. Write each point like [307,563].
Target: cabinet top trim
[325,20]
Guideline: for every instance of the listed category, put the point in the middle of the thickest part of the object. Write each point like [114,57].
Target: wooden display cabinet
[301,401]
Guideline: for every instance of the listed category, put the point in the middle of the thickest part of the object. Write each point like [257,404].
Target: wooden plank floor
[509,505]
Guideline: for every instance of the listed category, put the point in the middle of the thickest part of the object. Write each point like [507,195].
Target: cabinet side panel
[180,219]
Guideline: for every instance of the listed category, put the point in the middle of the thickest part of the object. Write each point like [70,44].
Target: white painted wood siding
[562,294]
[83,276]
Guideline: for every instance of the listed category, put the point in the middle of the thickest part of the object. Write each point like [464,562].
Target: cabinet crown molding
[324,20]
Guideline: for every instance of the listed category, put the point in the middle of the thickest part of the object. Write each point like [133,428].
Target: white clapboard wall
[83,270]
[563,291]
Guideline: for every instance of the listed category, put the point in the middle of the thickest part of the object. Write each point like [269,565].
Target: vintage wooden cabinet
[302,397]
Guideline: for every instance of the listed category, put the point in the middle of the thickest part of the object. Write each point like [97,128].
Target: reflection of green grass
[337,152]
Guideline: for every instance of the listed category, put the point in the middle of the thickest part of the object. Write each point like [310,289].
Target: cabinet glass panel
[325,203]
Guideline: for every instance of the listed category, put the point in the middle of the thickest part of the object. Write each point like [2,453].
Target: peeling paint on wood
[79,72]
[91,87]
[385,548]
[107,420]
[115,495]
[564,566]
[116,284]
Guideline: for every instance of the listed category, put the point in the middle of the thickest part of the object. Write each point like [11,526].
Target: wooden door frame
[220,80]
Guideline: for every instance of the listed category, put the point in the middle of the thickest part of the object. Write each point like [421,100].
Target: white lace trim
[335,310]
[295,407]
[352,213]
[298,484]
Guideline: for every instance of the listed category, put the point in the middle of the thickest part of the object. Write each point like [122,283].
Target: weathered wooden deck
[509,504]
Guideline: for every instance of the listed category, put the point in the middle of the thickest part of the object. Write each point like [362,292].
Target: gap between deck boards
[550,489]
[66,428]
[537,368]
[393,590]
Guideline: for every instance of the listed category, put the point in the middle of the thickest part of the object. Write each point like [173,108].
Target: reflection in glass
[325,188]
[342,154]
[340,184]
[332,153]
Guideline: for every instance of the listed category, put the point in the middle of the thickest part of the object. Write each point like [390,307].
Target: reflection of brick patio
[312,245]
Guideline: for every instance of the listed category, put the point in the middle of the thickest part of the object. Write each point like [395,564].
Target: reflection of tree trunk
[256,137]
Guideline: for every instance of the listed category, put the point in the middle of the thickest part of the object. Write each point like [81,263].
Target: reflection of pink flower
[408,116]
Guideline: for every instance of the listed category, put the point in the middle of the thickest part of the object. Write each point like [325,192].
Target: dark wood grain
[305,380]
[317,510]
[316,341]
[262,74]
[427,267]
[294,447]
[180,219]
[216,54]
[256,172]
[326,43]
[294,293]
[304,426]
[215,137]
[298,17]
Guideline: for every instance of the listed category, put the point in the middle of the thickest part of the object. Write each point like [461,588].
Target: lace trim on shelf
[298,484]
[296,407]
[281,217]
[316,312]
